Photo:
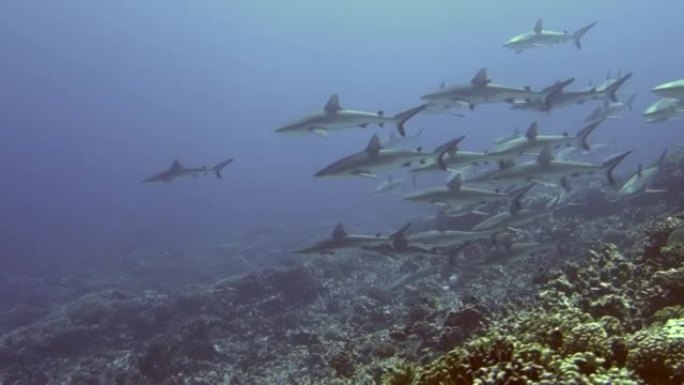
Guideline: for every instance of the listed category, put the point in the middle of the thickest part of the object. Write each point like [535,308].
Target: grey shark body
[481,90]
[563,98]
[663,109]
[540,37]
[177,170]
[673,89]
[341,240]
[514,216]
[641,181]
[611,110]
[546,170]
[532,142]
[334,117]
[457,197]
[374,158]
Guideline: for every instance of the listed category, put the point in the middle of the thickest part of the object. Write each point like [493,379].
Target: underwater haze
[96,96]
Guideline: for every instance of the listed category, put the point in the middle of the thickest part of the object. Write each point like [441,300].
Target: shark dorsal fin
[442,85]
[565,184]
[506,163]
[339,232]
[545,157]
[532,132]
[639,170]
[176,165]
[374,146]
[661,160]
[454,182]
[539,26]
[333,105]
[516,202]
[398,238]
[381,113]
[480,78]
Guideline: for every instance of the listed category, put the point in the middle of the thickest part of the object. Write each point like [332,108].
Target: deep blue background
[97,95]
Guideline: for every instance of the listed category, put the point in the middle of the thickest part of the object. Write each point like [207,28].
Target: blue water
[96,96]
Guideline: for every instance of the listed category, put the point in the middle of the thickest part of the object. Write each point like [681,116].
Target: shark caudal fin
[610,165]
[584,133]
[612,88]
[403,117]
[579,33]
[219,167]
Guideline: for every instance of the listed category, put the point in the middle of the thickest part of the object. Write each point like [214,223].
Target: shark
[641,181]
[457,197]
[177,170]
[663,109]
[514,216]
[481,90]
[673,89]
[511,252]
[374,157]
[532,142]
[611,110]
[540,37]
[341,240]
[450,157]
[546,170]
[562,98]
[334,117]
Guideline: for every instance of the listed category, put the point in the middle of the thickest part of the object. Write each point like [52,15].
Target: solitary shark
[177,170]
[673,89]
[641,182]
[457,197]
[545,170]
[532,142]
[334,117]
[562,98]
[482,90]
[611,110]
[374,158]
[539,37]
[663,109]
[341,240]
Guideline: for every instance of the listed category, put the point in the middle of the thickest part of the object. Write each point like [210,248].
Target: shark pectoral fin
[366,174]
[479,212]
[319,131]
[656,191]
[544,183]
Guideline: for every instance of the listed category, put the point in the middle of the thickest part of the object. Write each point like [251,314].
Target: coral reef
[611,319]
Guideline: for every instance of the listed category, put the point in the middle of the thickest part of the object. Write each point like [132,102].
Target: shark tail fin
[610,165]
[579,33]
[403,117]
[219,167]
[584,133]
[612,89]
